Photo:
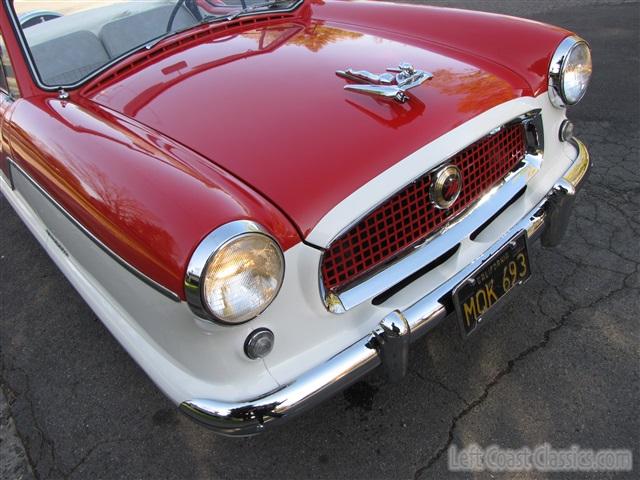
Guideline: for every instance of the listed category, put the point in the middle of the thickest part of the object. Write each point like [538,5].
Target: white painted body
[191,358]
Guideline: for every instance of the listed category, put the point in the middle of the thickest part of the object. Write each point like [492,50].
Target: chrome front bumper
[389,343]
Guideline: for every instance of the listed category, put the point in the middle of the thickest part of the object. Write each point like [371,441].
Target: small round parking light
[259,343]
[566,131]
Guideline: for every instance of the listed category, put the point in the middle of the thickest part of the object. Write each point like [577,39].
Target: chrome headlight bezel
[557,69]
[205,253]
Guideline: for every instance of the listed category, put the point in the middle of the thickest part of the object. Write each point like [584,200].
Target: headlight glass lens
[243,278]
[576,73]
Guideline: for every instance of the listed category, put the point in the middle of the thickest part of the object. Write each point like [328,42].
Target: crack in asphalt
[54,469]
[547,334]
[601,196]
[441,384]
[97,445]
[44,438]
[26,441]
[9,394]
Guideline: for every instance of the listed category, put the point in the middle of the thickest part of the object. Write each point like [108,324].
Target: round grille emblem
[446,186]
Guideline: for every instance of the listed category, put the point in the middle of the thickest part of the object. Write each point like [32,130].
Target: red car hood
[266,105]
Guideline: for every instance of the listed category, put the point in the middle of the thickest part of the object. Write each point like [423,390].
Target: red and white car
[264,201]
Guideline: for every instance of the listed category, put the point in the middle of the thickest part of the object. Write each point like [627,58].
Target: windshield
[70,40]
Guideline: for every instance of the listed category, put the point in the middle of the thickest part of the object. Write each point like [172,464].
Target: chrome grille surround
[451,233]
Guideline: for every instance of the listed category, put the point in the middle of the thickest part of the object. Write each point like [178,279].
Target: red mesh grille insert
[409,216]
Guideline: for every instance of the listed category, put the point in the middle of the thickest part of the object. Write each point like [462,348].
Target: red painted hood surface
[266,105]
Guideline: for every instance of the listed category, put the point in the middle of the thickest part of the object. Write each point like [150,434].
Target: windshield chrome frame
[35,75]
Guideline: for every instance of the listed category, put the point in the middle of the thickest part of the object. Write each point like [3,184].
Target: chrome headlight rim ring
[204,254]
[556,69]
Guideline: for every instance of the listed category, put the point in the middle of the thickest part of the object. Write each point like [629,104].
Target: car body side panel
[184,357]
[150,200]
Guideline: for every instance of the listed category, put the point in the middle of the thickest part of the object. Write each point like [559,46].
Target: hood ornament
[394,84]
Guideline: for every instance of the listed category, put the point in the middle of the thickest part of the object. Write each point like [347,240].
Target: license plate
[479,293]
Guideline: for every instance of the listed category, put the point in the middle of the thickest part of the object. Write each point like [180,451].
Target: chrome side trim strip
[388,344]
[441,241]
[152,283]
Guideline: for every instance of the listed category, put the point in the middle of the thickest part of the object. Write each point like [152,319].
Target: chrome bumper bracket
[392,339]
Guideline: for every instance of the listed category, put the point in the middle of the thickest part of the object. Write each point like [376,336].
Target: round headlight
[243,278]
[235,273]
[570,72]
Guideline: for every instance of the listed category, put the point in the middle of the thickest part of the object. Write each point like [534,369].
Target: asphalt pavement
[561,365]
